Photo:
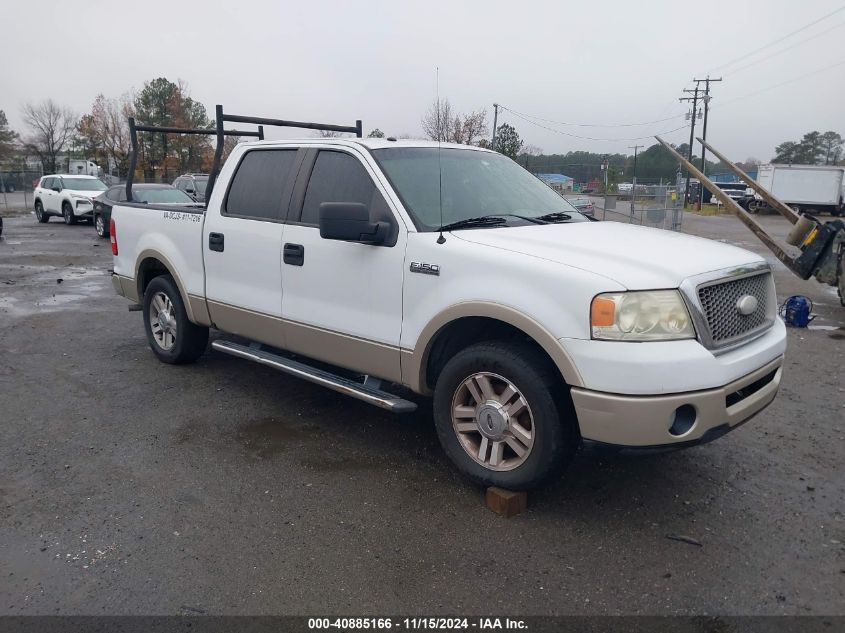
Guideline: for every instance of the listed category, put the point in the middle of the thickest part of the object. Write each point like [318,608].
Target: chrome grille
[719,305]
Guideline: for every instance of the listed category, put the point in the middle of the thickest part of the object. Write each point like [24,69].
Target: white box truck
[803,187]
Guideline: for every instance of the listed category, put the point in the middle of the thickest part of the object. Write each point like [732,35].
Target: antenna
[441,239]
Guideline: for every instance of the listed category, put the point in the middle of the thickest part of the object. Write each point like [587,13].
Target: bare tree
[441,123]
[51,127]
[438,124]
[469,128]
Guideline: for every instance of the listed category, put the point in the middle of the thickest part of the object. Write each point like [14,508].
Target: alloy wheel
[493,421]
[163,321]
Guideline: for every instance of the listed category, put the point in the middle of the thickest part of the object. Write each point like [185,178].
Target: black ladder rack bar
[221,133]
[221,117]
[237,118]
[133,137]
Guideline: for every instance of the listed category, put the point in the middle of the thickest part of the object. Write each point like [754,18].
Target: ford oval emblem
[746,305]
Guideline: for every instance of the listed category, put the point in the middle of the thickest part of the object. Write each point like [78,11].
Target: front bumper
[678,418]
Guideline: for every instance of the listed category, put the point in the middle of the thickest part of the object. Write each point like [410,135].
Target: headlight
[653,315]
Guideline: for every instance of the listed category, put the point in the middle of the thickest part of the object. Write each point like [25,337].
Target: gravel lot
[130,486]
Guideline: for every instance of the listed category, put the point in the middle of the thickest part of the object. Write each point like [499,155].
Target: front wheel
[100,226]
[67,213]
[172,337]
[501,415]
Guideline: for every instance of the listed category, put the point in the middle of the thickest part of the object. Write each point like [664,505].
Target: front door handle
[294,254]
[215,242]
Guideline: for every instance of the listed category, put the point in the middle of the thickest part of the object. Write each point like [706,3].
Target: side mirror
[189,190]
[57,188]
[350,222]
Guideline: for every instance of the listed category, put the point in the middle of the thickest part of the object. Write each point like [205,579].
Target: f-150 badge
[425,269]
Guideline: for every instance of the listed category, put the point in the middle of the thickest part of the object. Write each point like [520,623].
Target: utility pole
[704,134]
[495,119]
[634,182]
[694,99]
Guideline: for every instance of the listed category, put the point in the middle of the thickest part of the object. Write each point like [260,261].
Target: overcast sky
[609,63]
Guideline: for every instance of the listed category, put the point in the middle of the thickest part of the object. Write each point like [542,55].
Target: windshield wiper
[557,216]
[484,220]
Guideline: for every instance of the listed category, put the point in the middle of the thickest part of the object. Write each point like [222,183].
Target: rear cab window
[260,188]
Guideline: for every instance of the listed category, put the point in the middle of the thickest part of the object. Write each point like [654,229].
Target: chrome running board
[321,377]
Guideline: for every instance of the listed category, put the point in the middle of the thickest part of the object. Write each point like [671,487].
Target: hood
[83,192]
[636,257]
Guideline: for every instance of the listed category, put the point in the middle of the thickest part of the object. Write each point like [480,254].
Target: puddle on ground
[16,307]
[265,437]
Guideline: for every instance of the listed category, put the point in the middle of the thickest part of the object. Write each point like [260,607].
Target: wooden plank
[507,503]
[776,204]
[737,210]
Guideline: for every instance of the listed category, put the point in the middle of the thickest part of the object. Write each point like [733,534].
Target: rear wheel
[841,274]
[172,337]
[501,415]
[100,226]
[67,213]
[40,215]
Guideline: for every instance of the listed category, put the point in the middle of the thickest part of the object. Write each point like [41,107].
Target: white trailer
[84,168]
[803,187]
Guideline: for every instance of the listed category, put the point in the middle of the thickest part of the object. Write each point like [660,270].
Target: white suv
[68,196]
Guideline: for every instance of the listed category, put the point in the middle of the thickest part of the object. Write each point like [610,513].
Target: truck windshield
[475,184]
[83,184]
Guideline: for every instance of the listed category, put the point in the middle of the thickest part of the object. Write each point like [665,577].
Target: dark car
[583,204]
[193,185]
[149,193]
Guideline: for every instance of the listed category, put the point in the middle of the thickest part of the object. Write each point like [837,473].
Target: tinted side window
[46,183]
[258,184]
[337,177]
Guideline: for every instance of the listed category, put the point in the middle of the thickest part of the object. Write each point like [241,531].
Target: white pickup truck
[533,327]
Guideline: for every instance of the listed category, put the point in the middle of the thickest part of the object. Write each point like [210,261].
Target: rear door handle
[215,242]
[294,254]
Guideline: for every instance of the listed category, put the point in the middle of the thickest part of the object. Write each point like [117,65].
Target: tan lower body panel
[342,350]
[645,420]
[367,357]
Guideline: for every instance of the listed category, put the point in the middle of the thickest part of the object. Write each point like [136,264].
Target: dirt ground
[130,486]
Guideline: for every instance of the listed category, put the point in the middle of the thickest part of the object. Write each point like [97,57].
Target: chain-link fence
[657,206]
[16,187]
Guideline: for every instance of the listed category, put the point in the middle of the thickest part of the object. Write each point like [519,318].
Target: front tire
[100,225]
[172,337]
[40,215]
[67,214]
[501,415]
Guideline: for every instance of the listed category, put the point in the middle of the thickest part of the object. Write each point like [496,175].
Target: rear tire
[172,337]
[100,226]
[67,214]
[504,401]
[40,215]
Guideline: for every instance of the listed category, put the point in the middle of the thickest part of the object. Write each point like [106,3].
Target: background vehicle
[68,196]
[583,204]
[148,193]
[85,168]
[192,184]
[450,270]
[803,187]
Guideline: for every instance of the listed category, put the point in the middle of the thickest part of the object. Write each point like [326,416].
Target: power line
[779,39]
[531,116]
[783,83]
[589,138]
[783,50]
